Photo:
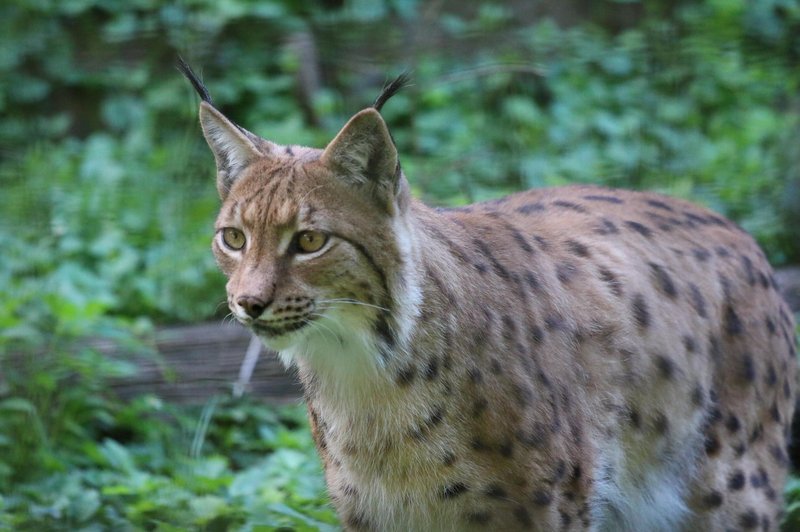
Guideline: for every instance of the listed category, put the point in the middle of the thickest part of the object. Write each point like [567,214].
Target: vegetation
[108,196]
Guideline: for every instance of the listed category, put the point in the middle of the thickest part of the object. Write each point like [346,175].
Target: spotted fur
[572,358]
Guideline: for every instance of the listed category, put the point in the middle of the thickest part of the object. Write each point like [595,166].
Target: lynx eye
[233,238]
[310,241]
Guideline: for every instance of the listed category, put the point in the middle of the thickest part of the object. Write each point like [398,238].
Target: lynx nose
[253,306]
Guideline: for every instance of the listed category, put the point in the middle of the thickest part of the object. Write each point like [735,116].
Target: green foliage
[257,471]
[108,198]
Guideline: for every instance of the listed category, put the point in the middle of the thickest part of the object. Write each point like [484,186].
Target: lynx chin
[574,358]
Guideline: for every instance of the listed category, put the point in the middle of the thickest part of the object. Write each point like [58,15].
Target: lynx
[573,358]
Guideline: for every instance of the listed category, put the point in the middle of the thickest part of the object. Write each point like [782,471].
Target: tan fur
[573,358]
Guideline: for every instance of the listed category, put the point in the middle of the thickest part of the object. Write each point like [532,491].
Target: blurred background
[107,199]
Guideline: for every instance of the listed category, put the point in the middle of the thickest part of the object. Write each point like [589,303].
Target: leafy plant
[108,200]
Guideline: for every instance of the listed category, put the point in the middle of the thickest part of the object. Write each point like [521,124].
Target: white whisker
[353,302]
[229,318]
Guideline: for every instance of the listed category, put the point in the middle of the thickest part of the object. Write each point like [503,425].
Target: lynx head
[313,241]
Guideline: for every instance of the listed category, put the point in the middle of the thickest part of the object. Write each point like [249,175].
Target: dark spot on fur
[532,281]
[733,324]
[666,367]
[698,395]
[541,498]
[736,480]
[771,377]
[689,344]
[749,271]
[522,516]
[432,369]
[748,519]
[479,517]
[529,208]
[566,272]
[695,218]
[542,242]
[775,413]
[454,490]
[506,448]
[479,445]
[698,301]
[639,228]
[714,348]
[757,432]
[601,197]
[732,423]
[636,420]
[384,331]
[770,325]
[755,481]
[533,438]
[712,499]
[606,227]
[578,248]
[726,288]
[659,205]
[406,376]
[486,251]
[559,472]
[662,222]
[661,423]
[641,313]
[611,280]
[739,449]
[475,375]
[536,334]
[779,455]
[554,322]
[479,406]
[521,241]
[712,445]
[714,414]
[495,491]
[569,205]
[701,254]
[748,368]
[663,279]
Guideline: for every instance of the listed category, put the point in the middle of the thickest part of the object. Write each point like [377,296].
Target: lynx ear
[234,148]
[363,153]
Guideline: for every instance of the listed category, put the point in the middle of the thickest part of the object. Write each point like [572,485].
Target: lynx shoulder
[571,358]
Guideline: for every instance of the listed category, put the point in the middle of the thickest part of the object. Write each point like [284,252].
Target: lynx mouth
[281,327]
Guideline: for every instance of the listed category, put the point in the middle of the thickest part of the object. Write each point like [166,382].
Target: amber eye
[311,241]
[233,238]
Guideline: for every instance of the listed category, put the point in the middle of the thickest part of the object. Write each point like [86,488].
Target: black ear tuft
[201,89]
[403,80]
